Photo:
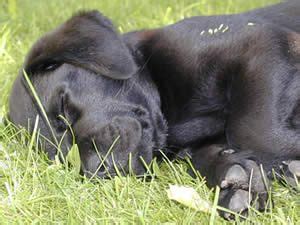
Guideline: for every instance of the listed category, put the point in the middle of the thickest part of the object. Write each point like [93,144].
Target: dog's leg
[241,177]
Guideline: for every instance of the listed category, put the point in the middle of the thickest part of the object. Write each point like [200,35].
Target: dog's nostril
[139,112]
[145,124]
[100,172]
[102,169]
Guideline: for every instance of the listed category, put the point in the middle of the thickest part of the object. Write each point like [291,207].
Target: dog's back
[286,14]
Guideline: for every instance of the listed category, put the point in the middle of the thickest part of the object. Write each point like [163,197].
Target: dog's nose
[111,147]
[96,167]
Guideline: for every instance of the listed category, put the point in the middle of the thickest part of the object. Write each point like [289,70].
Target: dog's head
[90,86]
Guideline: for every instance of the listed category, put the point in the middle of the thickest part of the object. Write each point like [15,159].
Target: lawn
[34,190]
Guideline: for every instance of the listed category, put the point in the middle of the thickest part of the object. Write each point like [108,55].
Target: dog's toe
[290,172]
[240,201]
[235,175]
[236,201]
[294,167]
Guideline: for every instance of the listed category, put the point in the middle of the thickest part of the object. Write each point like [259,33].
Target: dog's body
[206,67]
[227,86]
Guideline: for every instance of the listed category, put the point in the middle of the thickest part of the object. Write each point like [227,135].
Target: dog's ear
[87,40]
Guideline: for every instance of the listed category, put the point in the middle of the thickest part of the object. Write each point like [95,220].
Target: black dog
[226,87]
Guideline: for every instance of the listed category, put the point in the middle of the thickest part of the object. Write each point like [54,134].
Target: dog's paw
[243,181]
[290,173]
[243,185]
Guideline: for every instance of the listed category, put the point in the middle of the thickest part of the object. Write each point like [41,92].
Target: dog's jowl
[225,87]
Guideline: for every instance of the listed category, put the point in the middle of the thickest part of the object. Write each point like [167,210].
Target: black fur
[227,86]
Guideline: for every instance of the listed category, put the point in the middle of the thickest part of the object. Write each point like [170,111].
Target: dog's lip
[104,175]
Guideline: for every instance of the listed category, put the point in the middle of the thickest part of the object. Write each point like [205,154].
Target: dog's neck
[174,71]
[174,89]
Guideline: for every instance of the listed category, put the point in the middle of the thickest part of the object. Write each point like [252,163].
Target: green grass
[34,190]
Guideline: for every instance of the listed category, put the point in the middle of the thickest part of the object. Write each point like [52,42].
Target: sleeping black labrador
[225,87]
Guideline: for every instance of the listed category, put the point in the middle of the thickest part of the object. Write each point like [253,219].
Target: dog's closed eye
[42,67]
[51,66]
